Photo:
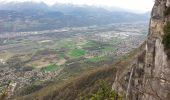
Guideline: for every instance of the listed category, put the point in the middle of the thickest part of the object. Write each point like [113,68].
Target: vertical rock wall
[151,78]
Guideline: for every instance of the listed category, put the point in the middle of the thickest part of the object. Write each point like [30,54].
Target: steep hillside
[85,86]
[149,76]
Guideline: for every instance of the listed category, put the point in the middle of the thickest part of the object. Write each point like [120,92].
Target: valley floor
[30,61]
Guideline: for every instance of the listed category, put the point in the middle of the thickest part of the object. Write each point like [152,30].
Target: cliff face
[149,76]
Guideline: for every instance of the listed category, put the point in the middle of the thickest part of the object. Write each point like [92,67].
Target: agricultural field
[60,55]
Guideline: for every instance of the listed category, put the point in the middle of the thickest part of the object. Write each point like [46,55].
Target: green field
[96,59]
[51,68]
[77,53]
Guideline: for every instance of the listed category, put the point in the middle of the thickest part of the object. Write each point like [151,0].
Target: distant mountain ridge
[31,16]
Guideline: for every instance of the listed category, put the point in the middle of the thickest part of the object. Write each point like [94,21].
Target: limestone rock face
[151,72]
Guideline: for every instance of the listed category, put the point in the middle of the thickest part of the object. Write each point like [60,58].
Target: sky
[137,5]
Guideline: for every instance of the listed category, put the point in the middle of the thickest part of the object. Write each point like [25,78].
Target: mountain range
[31,16]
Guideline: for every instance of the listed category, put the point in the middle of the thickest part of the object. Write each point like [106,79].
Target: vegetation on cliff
[105,92]
[167,11]
[166,39]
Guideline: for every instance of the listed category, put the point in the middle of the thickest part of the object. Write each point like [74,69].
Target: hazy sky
[138,5]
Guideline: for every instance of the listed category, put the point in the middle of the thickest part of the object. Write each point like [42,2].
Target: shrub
[4,96]
[30,89]
[167,11]
[166,39]
[104,93]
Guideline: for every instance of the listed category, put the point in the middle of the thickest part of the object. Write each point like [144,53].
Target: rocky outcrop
[149,76]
